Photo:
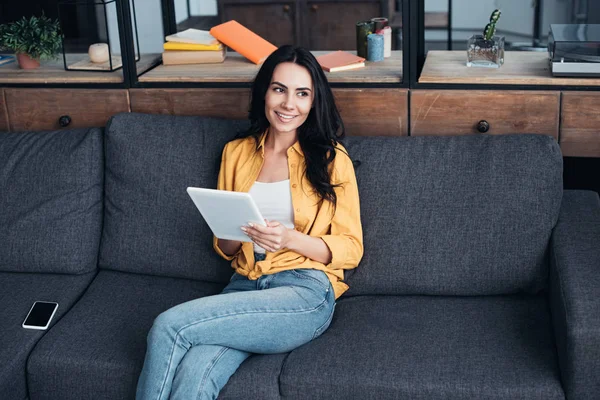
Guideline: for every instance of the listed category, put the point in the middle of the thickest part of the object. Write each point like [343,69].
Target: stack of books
[340,61]
[193,46]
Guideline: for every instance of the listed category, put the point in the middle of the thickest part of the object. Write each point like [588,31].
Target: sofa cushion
[429,347]
[17,294]
[106,332]
[151,225]
[50,200]
[463,215]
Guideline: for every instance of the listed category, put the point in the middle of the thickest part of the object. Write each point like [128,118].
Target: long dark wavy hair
[319,134]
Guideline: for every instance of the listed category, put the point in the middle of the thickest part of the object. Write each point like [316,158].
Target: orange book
[340,61]
[243,40]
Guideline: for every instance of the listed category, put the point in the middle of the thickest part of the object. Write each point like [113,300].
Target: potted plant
[31,39]
[486,50]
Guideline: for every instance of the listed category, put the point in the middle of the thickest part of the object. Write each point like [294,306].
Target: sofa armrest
[575,293]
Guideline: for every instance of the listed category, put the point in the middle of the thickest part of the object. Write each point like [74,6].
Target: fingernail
[244,229]
[250,224]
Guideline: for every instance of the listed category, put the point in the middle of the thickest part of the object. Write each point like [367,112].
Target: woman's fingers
[265,246]
[272,241]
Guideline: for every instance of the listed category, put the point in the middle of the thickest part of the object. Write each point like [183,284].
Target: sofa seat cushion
[461,215]
[97,350]
[394,347]
[51,186]
[17,294]
[151,225]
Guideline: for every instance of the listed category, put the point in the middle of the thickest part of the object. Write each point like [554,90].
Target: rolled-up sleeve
[224,182]
[345,239]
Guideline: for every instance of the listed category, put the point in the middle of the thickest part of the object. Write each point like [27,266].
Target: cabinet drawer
[3,113]
[373,112]
[463,112]
[580,126]
[41,109]
[220,103]
[364,111]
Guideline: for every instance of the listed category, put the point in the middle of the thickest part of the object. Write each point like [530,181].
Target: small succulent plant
[490,29]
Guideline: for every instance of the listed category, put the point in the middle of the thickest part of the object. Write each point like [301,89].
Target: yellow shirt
[241,163]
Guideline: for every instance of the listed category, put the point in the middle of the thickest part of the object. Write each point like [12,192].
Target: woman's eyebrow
[282,85]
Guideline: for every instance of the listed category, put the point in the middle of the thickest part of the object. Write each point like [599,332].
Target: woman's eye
[302,94]
[278,90]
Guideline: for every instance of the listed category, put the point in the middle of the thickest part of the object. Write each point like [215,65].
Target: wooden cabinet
[364,111]
[580,124]
[220,103]
[452,112]
[3,113]
[275,21]
[49,109]
[332,25]
[373,112]
[313,24]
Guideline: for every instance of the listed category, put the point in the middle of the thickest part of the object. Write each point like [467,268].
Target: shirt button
[293,165]
[294,185]
[297,210]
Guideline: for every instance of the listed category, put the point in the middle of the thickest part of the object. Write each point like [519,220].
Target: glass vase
[485,53]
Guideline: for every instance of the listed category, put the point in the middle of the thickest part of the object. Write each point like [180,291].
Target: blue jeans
[194,347]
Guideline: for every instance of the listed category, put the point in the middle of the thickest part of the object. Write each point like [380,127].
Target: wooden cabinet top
[236,68]
[520,68]
[53,71]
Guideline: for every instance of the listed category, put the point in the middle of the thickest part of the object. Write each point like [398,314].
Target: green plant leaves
[490,29]
[38,37]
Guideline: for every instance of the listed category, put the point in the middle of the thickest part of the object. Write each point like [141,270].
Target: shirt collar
[261,145]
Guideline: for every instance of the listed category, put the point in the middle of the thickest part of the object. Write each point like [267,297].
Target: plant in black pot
[486,50]
[31,39]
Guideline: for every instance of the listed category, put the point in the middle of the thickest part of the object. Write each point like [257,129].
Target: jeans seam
[212,364]
[299,275]
[327,321]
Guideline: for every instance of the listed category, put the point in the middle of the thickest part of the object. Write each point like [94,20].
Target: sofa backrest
[151,225]
[51,187]
[463,215]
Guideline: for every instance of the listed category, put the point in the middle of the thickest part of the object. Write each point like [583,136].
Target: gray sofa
[480,279]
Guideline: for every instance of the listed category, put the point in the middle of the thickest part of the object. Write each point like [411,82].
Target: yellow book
[192,47]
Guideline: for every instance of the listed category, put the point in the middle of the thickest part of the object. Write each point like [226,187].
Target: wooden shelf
[237,69]
[520,68]
[53,71]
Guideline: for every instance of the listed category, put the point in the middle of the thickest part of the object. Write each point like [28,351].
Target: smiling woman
[288,273]
[287,105]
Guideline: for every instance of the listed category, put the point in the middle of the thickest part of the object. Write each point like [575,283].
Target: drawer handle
[483,126]
[286,8]
[64,121]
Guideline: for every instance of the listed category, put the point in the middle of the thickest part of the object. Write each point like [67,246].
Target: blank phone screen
[40,314]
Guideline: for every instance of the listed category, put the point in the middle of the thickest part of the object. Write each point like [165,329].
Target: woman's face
[289,98]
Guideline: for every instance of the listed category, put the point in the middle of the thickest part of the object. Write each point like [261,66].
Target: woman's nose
[288,102]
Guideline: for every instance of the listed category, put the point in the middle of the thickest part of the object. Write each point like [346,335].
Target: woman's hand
[273,237]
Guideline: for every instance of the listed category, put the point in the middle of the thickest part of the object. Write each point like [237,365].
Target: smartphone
[40,315]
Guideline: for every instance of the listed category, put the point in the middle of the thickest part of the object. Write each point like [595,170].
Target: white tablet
[226,212]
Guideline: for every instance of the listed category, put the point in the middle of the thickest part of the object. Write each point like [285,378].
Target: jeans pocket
[324,327]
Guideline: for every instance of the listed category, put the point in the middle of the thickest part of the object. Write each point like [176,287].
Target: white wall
[149,27]
[197,7]
[517,16]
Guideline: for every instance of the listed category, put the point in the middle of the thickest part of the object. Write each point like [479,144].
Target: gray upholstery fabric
[151,225]
[575,293]
[18,292]
[99,347]
[464,215]
[429,348]
[257,378]
[50,200]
